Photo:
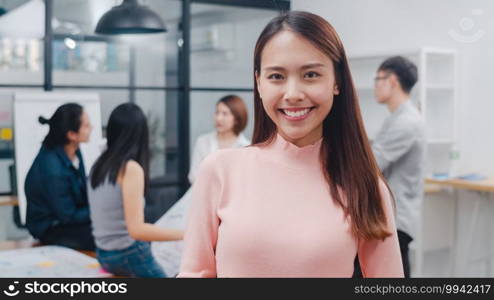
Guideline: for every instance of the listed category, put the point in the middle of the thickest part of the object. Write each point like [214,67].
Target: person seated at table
[118,181]
[55,186]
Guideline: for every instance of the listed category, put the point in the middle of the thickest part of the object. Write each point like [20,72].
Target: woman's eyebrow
[314,65]
[274,68]
[304,67]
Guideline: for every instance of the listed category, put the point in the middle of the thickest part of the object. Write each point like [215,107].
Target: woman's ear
[336,90]
[71,136]
[256,74]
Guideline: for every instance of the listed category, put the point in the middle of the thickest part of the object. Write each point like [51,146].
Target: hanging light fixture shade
[130,17]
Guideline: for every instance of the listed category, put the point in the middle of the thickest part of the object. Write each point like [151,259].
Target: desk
[22,244]
[484,188]
[486,185]
[8,201]
[27,257]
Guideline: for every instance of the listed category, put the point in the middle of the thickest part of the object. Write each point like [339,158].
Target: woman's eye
[311,75]
[275,76]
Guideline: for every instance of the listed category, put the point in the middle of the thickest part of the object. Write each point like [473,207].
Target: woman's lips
[296,114]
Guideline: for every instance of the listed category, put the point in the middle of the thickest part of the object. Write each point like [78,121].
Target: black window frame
[181,155]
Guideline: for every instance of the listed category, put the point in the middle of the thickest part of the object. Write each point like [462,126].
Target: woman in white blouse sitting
[230,120]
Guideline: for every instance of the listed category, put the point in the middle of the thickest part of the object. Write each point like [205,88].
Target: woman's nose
[294,91]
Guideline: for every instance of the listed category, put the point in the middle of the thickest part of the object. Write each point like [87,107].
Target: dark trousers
[404,239]
[78,237]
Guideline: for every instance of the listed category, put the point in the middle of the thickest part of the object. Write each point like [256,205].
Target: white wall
[387,25]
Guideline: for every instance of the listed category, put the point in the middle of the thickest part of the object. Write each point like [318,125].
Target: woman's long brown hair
[346,156]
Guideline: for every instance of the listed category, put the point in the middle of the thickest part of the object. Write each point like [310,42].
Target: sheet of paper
[48,261]
[168,254]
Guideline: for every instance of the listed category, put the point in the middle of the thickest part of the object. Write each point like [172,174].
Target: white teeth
[297,113]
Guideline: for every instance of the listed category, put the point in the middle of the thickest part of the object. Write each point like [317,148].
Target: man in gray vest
[400,145]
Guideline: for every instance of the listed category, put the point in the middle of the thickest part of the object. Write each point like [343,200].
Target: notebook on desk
[472,177]
[440,176]
[469,177]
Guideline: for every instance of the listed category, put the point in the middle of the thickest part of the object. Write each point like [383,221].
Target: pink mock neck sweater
[267,212]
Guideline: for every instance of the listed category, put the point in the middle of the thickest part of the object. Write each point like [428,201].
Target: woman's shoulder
[234,154]
[385,192]
[207,137]
[203,142]
[243,140]
[382,185]
[231,157]
[131,169]
[48,152]
[49,158]
[133,166]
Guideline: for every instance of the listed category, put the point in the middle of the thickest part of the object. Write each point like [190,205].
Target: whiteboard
[29,133]
[6,99]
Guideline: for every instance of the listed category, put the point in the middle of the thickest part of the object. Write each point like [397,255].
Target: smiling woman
[322,201]
[296,86]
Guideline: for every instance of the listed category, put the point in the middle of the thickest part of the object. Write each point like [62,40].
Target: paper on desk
[48,261]
[168,254]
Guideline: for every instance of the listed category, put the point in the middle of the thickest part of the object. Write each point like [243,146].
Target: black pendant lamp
[130,17]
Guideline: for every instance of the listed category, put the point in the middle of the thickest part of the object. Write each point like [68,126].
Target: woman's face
[224,119]
[82,136]
[297,85]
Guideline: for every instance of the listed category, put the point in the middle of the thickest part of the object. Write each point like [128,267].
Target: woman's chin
[294,135]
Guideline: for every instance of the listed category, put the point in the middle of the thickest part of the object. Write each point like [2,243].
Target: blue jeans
[134,261]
